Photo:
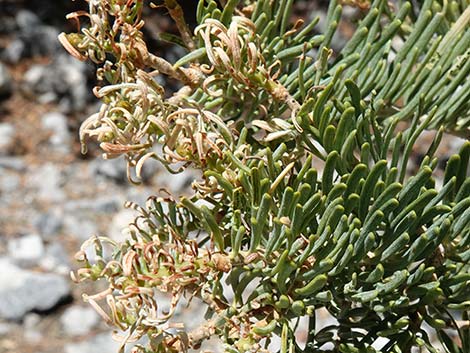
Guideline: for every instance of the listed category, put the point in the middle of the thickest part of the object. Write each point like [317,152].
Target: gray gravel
[26,250]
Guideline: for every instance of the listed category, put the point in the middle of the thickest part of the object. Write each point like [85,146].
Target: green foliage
[304,201]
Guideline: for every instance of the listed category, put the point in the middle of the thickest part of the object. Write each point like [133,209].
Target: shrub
[303,201]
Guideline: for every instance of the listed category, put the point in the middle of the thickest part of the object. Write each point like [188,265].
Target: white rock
[34,75]
[78,320]
[5,328]
[48,182]
[56,124]
[49,224]
[26,250]
[55,259]
[31,333]
[22,291]
[27,20]
[9,182]
[7,137]
[13,163]
[114,169]
[79,226]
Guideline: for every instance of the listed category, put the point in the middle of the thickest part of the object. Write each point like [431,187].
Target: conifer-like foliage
[304,200]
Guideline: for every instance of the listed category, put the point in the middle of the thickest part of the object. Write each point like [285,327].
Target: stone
[31,333]
[15,51]
[55,259]
[102,204]
[65,80]
[78,320]
[45,41]
[27,21]
[79,226]
[48,224]
[38,80]
[5,328]
[113,169]
[48,182]
[26,250]
[9,182]
[56,124]
[74,74]
[23,291]
[47,98]
[101,343]
[13,163]
[6,86]
[39,39]
[7,137]
[31,38]
[176,183]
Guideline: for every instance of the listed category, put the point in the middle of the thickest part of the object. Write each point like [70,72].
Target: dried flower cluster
[304,201]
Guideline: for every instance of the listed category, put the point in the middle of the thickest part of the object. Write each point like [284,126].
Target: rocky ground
[52,198]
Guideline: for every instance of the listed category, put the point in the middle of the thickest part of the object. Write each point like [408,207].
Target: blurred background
[52,198]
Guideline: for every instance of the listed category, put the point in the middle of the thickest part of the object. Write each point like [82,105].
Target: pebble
[79,226]
[31,38]
[31,333]
[6,85]
[26,250]
[102,204]
[48,182]
[15,51]
[48,224]
[5,328]
[22,291]
[56,124]
[34,76]
[9,182]
[12,163]
[55,259]
[113,169]
[27,21]
[64,80]
[74,85]
[7,137]
[39,39]
[78,320]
